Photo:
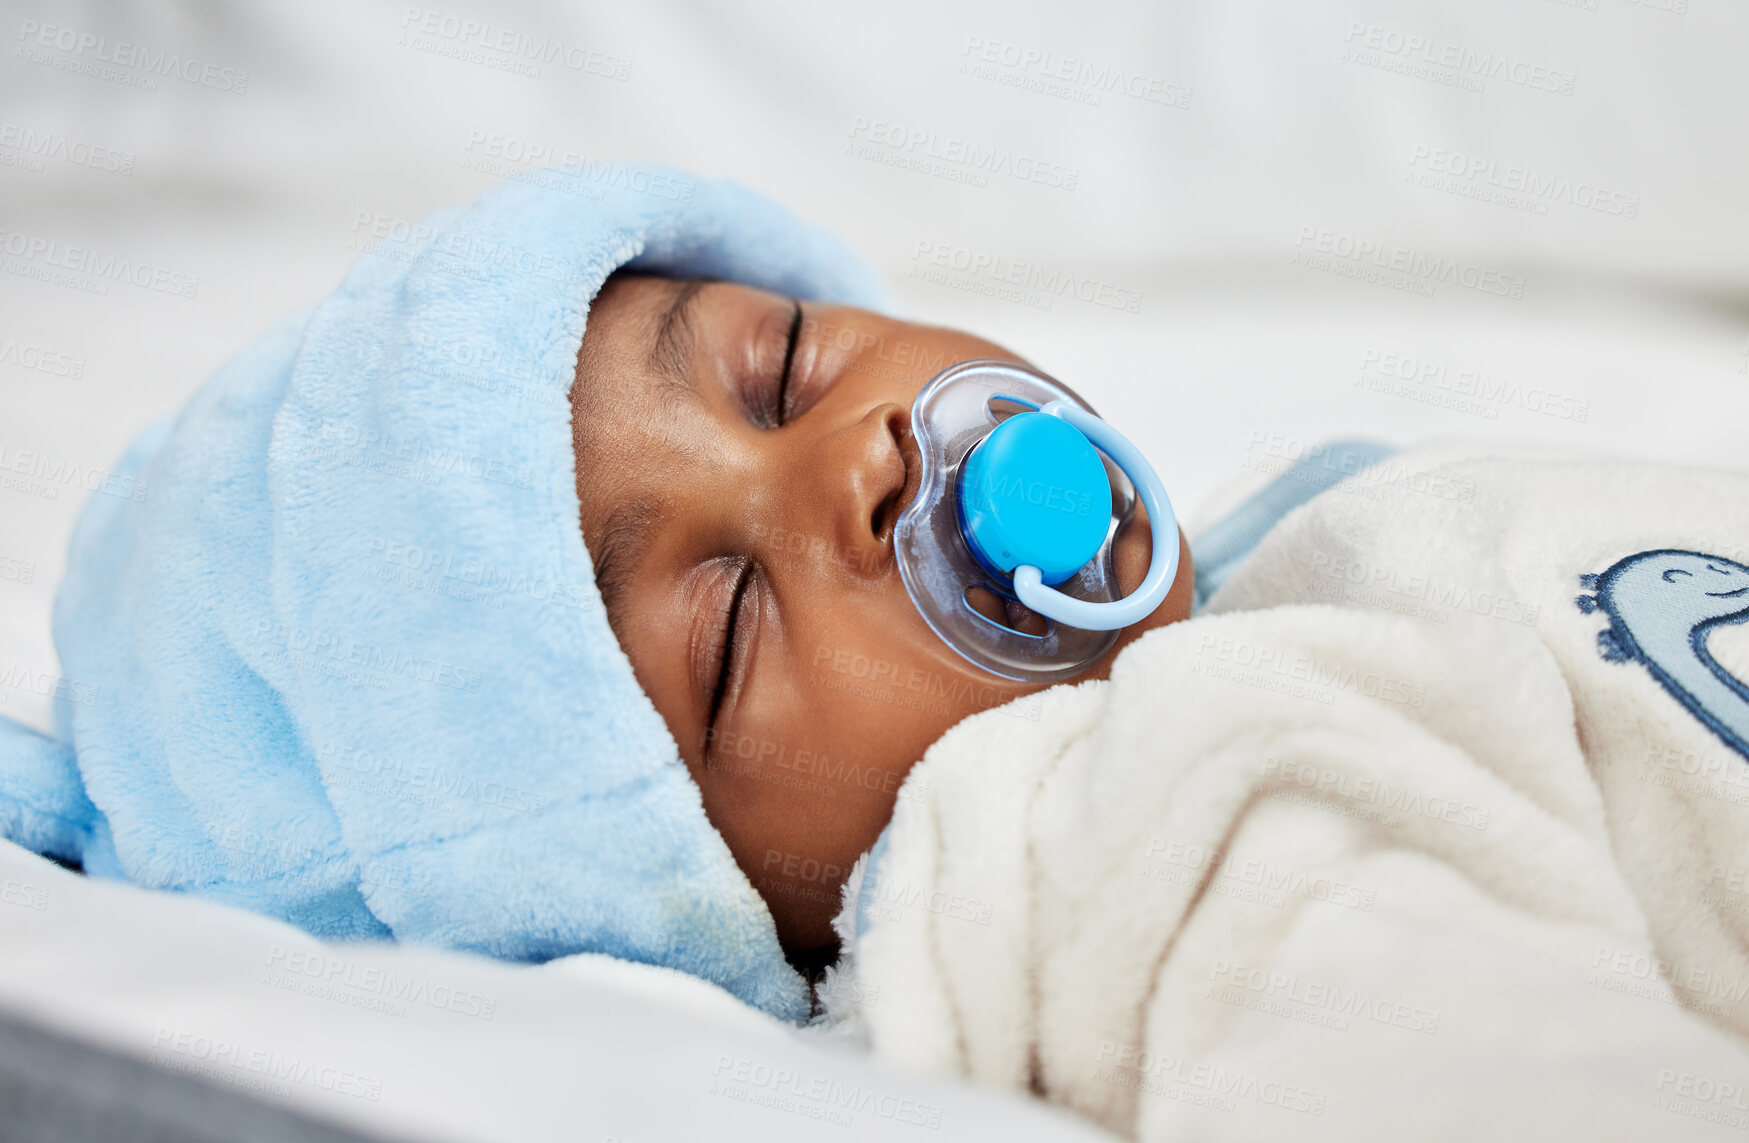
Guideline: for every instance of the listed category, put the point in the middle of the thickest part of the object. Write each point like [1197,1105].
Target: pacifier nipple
[1009,613]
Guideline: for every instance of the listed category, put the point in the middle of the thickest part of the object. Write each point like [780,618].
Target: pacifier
[1022,492]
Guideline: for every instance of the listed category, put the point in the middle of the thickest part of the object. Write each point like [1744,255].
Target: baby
[741,460]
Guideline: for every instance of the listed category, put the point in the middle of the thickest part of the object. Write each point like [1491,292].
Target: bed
[1239,231]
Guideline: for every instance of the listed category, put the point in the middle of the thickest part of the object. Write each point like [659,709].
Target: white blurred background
[1514,220]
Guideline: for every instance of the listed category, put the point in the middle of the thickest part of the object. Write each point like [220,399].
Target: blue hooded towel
[337,655]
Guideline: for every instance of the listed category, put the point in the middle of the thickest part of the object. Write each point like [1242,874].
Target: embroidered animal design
[1662,606]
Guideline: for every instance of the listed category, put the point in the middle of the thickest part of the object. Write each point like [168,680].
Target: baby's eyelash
[725,645]
[789,358]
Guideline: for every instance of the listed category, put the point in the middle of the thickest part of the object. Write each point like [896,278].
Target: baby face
[741,461]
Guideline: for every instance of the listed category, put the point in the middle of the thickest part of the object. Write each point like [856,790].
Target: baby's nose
[872,481]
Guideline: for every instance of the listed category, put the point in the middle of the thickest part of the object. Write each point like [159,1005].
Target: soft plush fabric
[1431,827]
[1220,548]
[333,649]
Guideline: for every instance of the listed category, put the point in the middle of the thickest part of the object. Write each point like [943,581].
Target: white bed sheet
[422,1044]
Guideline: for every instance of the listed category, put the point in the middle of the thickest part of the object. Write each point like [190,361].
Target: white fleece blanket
[1388,844]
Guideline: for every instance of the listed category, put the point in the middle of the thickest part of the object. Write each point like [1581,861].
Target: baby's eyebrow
[671,352]
[624,539]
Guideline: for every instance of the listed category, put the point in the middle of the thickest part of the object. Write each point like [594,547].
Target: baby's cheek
[1133,551]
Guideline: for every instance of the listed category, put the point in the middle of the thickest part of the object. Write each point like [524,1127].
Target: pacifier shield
[1035,492]
[953,418]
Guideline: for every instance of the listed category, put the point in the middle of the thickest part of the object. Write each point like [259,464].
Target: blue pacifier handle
[1163,523]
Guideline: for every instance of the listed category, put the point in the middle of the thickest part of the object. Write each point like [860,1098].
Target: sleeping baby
[539,593]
